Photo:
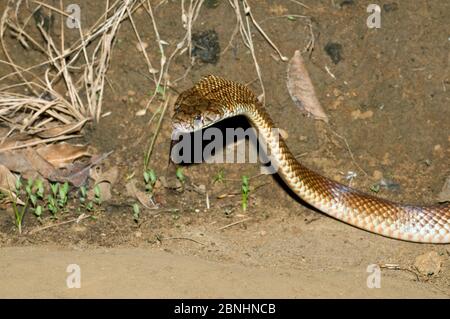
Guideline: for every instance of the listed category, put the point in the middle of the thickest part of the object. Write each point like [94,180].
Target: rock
[141,46]
[429,263]
[377,175]
[390,6]
[444,195]
[334,51]
[205,46]
[347,3]
[358,115]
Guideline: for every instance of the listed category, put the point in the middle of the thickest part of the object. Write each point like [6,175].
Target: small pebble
[377,175]
[334,51]
[347,3]
[390,6]
[358,115]
[139,47]
[428,264]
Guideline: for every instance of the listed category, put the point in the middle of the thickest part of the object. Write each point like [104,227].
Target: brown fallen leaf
[77,173]
[39,164]
[302,90]
[62,154]
[104,181]
[7,179]
[142,197]
[444,195]
[61,130]
[17,140]
[15,161]
[8,184]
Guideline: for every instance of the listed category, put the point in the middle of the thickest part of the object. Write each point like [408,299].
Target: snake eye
[198,118]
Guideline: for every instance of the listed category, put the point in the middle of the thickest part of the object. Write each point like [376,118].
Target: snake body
[213,99]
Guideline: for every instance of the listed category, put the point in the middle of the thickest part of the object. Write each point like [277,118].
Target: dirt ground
[388,103]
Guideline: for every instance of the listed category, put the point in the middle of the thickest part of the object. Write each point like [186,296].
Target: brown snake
[213,99]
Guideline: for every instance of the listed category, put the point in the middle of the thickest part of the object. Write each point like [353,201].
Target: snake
[213,99]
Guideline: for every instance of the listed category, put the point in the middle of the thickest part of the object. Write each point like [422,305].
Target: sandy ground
[140,273]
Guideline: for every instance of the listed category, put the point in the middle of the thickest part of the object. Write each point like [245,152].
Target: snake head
[193,113]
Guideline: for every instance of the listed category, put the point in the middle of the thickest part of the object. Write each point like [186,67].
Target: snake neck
[281,157]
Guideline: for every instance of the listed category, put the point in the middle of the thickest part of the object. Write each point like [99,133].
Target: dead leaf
[61,130]
[110,176]
[444,195]
[302,90]
[15,161]
[7,179]
[17,140]
[77,173]
[38,163]
[142,197]
[104,181]
[8,184]
[62,154]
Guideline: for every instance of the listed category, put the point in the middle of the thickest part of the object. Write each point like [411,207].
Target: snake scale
[214,99]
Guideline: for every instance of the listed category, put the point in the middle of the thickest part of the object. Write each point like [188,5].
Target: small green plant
[52,200]
[90,206]
[97,195]
[39,185]
[245,190]
[83,194]
[18,213]
[159,90]
[30,194]
[219,177]
[180,174]
[35,192]
[52,206]
[150,180]
[136,212]
[63,195]
[375,188]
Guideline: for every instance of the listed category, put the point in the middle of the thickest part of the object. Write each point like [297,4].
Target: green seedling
[54,187]
[52,206]
[180,174]
[159,90]
[375,188]
[18,213]
[39,186]
[83,194]
[136,212]
[30,194]
[35,192]
[38,211]
[97,195]
[90,206]
[18,185]
[62,195]
[245,190]
[150,180]
[220,176]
